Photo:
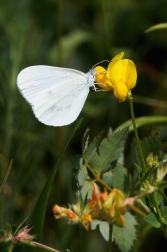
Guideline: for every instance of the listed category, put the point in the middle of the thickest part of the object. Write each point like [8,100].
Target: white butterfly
[56,94]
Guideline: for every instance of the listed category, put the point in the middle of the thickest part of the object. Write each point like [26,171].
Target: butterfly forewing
[56,95]
[35,79]
[58,106]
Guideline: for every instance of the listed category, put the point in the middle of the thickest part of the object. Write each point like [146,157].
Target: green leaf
[82,175]
[151,144]
[109,151]
[9,228]
[148,199]
[86,190]
[152,220]
[144,121]
[121,178]
[103,227]
[157,27]
[85,140]
[38,214]
[125,236]
[92,148]
[164,214]
[22,224]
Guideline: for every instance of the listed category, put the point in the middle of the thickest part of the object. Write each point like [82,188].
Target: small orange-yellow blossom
[104,206]
[120,76]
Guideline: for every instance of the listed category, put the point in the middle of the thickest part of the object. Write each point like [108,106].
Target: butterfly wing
[34,80]
[57,95]
[60,106]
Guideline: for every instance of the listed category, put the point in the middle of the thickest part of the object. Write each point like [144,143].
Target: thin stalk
[98,179]
[46,248]
[11,247]
[110,239]
[135,131]
[158,212]
[163,194]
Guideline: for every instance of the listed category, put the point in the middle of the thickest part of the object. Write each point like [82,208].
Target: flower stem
[97,178]
[135,131]
[110,239]
[39,245]
[158,212]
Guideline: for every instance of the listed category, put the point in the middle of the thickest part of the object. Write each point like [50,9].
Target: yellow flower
[102,80]
[121,76]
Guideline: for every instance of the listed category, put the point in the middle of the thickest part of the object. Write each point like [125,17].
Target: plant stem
[135,131]
[39,245]
[110,239]
[163,194]
[158,212]
[97,178]
[11,247]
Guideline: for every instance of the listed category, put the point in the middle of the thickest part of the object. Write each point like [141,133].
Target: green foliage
[149,145]
[152,219]
[125,236]
[121,178]
[38,214]
[108,152]
[78,35]
[103,228]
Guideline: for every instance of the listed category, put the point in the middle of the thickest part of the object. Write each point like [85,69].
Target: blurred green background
[74,34]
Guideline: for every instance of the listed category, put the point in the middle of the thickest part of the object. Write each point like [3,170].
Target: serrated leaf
[121,178]
[152,220]
[85,140]
[82,175]
[92,148]
[103,227]
[86,191]
[125,236]
[151,144]
[110,150]
[107,177]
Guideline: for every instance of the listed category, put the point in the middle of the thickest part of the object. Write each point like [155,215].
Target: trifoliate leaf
[103,227]
[121,178]
[109,151]
[125,236]
[152,220]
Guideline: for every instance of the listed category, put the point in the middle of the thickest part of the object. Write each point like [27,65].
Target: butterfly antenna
[100,63]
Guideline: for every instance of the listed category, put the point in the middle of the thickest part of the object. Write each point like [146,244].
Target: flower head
[121,76]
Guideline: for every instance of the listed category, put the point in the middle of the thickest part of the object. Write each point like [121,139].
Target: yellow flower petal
[124,70]
[117,58]
[101,79]
[131,75]
[120,91]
